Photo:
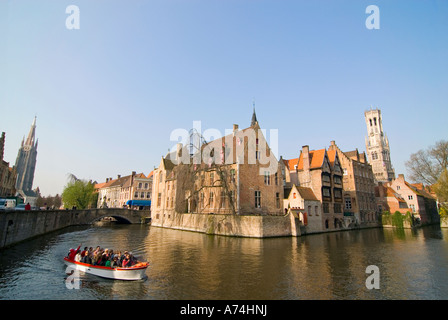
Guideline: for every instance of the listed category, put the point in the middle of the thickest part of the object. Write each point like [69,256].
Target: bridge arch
[120,219]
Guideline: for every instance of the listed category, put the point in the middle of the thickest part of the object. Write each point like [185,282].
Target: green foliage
[397,219]
[79,193]
[443,212]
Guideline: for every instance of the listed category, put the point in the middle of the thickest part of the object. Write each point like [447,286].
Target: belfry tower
[26,161]
[377,147]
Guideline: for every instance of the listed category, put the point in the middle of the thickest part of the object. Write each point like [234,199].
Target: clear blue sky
[108,96]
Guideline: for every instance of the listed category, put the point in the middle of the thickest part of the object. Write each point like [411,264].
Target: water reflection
[186,265]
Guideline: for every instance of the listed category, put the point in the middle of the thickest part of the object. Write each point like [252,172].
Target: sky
[108,96]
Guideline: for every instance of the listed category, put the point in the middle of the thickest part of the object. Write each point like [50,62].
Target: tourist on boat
[72,254]
[86,258]
[78,256]
[127,261]
[83,252]
[114,263]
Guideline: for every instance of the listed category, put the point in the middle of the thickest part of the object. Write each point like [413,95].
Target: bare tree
[426,166]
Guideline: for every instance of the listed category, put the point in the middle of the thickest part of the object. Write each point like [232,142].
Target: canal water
[411,264]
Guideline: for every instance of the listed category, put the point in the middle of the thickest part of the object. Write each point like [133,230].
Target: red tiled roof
[316,158]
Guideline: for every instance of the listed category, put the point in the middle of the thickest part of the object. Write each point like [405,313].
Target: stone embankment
[16,226]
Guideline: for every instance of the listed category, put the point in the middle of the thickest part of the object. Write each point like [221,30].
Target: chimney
[401,176]
[235,128]
[118,176]
[333,143]
[306,158]
[134,173]
[107,179]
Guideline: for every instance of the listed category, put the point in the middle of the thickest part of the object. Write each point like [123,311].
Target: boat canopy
[143,203]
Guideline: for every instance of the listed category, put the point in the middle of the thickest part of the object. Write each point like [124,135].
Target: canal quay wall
[17,226]
[253,226]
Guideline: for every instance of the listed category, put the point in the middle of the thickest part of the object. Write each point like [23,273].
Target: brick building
[359,199]
[117,193]
[320,171]
[235,174]
[8,175]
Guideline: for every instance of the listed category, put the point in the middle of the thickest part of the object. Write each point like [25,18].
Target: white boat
[136,272]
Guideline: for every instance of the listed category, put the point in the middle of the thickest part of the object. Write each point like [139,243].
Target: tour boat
[136,272]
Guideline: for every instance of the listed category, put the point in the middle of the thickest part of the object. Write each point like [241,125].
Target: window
[326,178]
[348,203]
[277,200]
[257,155]
[345,172]
[410,197]
[316,210]
[201,200]
[159,199]
[326,192]
[139,185]
[167,202]
[267,178]
[398,187]
[326,207]
[276,178]
[257,199]
[136,194]
[211,200]
[412,207]
[309,210]
[223,199]
[148,195]
[212,178]
[337,193]
[146,185]
[142,195]
[337,180]
[337,208]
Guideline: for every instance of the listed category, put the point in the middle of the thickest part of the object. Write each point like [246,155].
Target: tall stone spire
[26,162]
[31,134]
[254,117]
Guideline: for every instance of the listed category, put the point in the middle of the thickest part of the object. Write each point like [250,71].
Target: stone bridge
[16,226]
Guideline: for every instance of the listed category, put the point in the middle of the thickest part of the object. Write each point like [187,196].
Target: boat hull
[132,273]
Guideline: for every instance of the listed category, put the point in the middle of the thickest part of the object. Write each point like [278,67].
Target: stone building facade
[320,171]
[302,203]
[8,175]
[359,199]
[233,175]
[420,203]
[116,193]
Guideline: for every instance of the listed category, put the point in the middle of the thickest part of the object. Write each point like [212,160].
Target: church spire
[254,117]
[30,139]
